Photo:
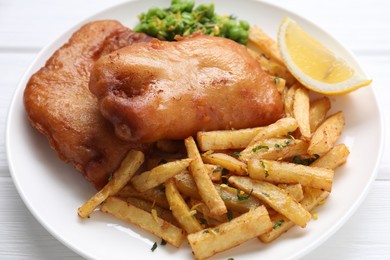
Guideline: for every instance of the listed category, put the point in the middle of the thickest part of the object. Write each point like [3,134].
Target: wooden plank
[21,236]
[12,67]
[23,28]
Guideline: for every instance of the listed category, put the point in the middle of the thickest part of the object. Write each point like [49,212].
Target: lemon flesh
[315,66]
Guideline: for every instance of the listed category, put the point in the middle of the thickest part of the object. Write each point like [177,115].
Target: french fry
[312,198]
[301,107]
[280,128]
[208,242]
[283,172]
[203,182]
[334,158]
[280,84]
[270,66]
[326,135]
[180,209]
[266,44]
[153,162]
[289,100]
[155,225]
[226,139]
[153,209]
[215,171]
[294,190]
[158,175]
[317,113]
[275,197]
[127,169]
[276,149]
[199,206]
[155,195]
[226,161]
[186,185]
[236,200]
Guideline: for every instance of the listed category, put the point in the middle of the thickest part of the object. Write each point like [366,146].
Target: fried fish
[171,90]
[60,106]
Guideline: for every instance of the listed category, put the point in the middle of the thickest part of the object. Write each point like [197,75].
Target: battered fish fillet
[171,90]
[59,104]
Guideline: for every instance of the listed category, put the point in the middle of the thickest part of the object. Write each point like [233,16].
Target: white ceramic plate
[53,190]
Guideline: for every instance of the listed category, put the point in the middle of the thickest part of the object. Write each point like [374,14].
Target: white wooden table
[362,25]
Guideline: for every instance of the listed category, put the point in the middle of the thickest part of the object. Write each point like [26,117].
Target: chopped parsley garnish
[206,231]
[237,154]
[290,134]
[162,161]
[306,161]
[255,149]
[217,169]
[227,199]
[286,143]
[154,246]
[110,177]
[278,224]
[265,194]
[266,171]
[163,242]
[276,80]
[240,198]
[230,258]
[229,215]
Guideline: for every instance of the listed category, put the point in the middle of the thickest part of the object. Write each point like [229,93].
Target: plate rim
[299,253]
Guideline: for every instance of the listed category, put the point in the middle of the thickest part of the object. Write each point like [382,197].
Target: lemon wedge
[314,65]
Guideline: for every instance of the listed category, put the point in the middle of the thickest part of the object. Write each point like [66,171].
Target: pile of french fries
[231,186]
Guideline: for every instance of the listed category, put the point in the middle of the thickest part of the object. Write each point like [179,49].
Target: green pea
[152,12]
[188,18]
[244,25]
[234,33]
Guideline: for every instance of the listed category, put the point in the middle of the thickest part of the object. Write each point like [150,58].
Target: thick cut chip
[121,177]
[208,242]
[283,172]
[226,139]
[227,162]
[159,175]
[205,186]
[180,209]
[275,197]
[145,220]
[326,135]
